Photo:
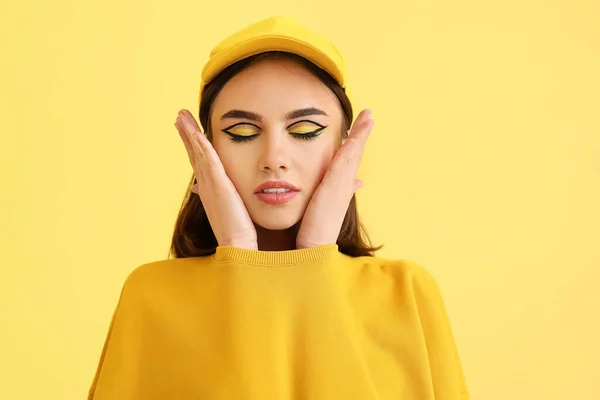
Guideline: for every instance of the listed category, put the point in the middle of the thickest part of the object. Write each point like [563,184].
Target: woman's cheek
[229,164]
[319,170]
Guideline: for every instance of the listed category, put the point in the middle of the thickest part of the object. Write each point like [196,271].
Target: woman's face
[276,123]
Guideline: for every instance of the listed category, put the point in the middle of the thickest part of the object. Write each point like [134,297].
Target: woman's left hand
[327,208]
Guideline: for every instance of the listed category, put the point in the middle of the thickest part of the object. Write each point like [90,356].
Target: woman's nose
[273,153]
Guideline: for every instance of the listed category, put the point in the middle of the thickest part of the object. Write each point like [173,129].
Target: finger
[364,131]
[188,122]
[187,116]
[358,126]
[362,116]
[186,142]
[352,151]
[188,131]
[366,114]
[210,156]
[345,164]
[359,129]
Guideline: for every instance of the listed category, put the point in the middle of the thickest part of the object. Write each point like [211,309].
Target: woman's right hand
[224,207]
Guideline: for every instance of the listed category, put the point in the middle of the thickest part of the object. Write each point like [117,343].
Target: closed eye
[305,131]
[308,135]
[242,132]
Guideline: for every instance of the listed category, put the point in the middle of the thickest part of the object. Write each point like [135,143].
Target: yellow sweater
[299,324]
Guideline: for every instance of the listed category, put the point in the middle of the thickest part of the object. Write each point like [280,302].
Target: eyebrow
[303,112]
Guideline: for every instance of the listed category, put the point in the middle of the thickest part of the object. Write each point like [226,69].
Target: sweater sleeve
[105,347]
[445,365]
[92,388]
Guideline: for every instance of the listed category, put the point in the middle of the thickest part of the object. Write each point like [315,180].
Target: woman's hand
[224,207]
[327,208]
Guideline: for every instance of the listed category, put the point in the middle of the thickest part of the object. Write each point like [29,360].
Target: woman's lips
[275,185]
[276,192]
[277,198]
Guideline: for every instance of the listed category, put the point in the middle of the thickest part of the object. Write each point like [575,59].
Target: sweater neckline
[276,258]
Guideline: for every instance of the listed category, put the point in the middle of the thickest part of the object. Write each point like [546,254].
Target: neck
[270,240]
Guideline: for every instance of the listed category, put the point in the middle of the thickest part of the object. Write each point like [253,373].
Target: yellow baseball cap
[278,33]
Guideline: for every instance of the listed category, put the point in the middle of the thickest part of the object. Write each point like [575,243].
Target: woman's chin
[276,222]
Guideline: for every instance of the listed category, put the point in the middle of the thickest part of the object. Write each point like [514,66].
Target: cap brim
[264,44]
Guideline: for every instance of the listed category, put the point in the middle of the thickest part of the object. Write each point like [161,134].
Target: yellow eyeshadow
[242,131]
[304,129]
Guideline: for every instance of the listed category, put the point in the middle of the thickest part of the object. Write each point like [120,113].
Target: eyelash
[303,136]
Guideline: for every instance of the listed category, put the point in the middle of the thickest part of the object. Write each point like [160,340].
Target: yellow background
[483,167]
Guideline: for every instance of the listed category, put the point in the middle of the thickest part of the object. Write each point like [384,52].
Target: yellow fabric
[300,324]
[275,33]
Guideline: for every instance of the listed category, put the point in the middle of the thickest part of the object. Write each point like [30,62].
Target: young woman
[274,291]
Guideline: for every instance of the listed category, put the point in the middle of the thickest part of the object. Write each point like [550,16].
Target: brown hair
[193,235]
